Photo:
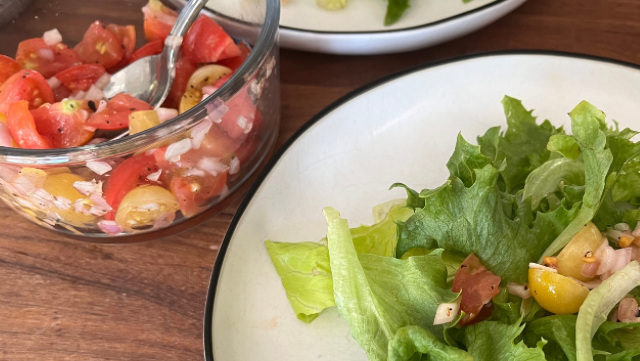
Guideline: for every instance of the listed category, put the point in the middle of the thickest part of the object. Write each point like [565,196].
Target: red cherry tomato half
[8,67]
[35,54]
[126,177]
[193,192]
[81,77]
[127,36]
[25,85]
[238,121]
[116,114]
[251,143]
[22,127]
[148,49]
[207,42]
[158,20]
[61,92]
[100,46]
[63,123]
[184,70]
[235,62]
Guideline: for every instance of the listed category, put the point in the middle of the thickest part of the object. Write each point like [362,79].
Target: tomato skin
[127,36]
[100,46]
[25,85]
[184,70]
[8,67]
[193,192]
[240,106]
[81,77]
[234,63]
[158,20]
[207,42]
[148,49]
[60,93]
[478,286]
[125,177]
[63,123]
[29,56]
[23,127]
[116,114]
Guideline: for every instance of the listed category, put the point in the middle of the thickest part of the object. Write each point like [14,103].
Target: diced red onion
[606,256]
[165,114]
[208,90]
[26,203]
[78,207]
[103,81]
[590,285]
[628,310]
[87,188]
[78,96]
[46,53]
[109,227]
[97,140]
[173,41]
[154,176]
[544,268]
[447,312]
[54,82]
[164,220]
[99,167]
[99,203]
[199,132]
[622,227]
[7,172]
[212,166]
[101,106]
[195,172]
[623,257]
[5,136]
[94,93]
[216,110]
[522,291]
[244,124]
[177,149]
[23,185]
[52,37]
[234,165]
[62,203]
[589,269]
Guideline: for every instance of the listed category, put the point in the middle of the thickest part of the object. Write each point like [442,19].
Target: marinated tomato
[100,46]
[63,123]
[35,54]
[26,85]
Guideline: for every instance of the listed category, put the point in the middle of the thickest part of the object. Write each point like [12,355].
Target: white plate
[399,129]
[359,28]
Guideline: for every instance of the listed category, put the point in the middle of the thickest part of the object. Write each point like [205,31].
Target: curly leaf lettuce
[410,340]
[379,295]
[493,340]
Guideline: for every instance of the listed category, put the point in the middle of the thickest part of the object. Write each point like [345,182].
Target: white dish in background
[399,129]
[359,29]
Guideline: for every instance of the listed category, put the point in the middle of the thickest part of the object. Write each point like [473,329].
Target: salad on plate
[530,250]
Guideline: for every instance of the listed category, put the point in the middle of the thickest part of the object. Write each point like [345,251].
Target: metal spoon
[150,78]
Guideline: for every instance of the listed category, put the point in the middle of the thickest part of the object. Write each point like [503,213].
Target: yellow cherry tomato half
[144,206]
[142,120]
[61,185]
[206,75]
[556,293]
[570,261]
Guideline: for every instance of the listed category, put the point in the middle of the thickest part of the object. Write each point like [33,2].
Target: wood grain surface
[62,299]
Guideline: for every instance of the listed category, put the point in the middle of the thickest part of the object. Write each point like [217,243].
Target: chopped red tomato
[35,54]
[148,49]
[193,192]
[81,77]
[235,62]
[8,67]
[478,286]
[158,20]
[239,120]
[126,177]
[207,42]
[216,144]
[25,85]
[61,92]
[127,36]
[100,46]
[184,70]
[116,114]
[22,127]
[63,123]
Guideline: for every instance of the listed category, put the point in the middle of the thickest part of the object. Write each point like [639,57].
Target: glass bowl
[169,177]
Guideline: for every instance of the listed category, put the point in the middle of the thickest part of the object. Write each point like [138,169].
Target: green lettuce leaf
[306,276]
[546,178]
[413,198]
[381,238]
[379,295]
[395,9]
[599,303]
[410,340]
[465,160]
[586,123]
[476,220]
[559,331]
[493,340]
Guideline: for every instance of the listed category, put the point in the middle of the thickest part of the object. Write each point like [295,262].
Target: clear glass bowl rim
[267,38]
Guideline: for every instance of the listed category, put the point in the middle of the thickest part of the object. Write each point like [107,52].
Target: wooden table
[67,300]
